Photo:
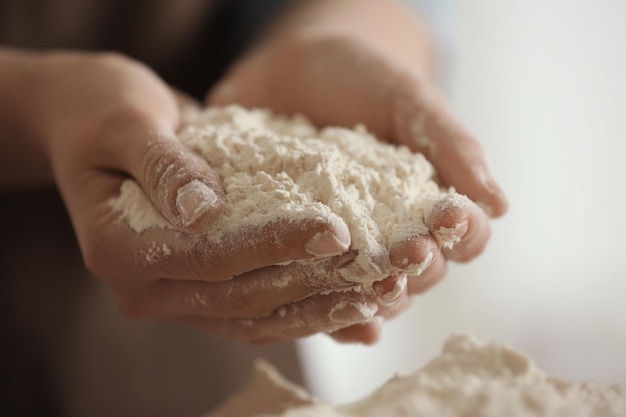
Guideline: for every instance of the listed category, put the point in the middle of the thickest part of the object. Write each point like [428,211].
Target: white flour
[468,379]
[277,168]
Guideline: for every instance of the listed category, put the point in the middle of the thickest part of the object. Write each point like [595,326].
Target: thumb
[180,184]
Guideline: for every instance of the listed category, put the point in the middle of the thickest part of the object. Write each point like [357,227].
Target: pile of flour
[468,379]
[279,168]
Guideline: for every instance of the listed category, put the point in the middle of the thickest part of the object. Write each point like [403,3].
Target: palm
[332,82]
[342,81]
[338,81]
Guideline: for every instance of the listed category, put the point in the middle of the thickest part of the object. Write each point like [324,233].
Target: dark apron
[65,349]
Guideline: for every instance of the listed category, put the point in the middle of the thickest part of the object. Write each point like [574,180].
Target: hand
[102,119]
[343,79]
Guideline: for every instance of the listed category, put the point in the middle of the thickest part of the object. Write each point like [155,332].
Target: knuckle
[123,120]
[164,168]
[114,60]
[158,164]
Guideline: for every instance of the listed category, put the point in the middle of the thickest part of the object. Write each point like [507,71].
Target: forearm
[389,25]
[22,158]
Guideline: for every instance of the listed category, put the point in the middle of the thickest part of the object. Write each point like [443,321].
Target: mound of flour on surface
[278,168]
[468,379]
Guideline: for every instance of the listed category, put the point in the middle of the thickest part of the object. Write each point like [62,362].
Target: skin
[89,121]
[348,62]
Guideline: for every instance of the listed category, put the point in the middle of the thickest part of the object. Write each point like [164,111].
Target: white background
[542,83]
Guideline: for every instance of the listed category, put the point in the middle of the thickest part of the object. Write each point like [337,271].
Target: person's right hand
[102,119]
[341,78]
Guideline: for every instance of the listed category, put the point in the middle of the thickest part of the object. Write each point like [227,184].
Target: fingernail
[447,237]
[193,200]
[351,312]
[388,296]
[417,269]
[329,242]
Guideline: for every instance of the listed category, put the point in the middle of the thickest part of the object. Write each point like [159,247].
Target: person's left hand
[342,80]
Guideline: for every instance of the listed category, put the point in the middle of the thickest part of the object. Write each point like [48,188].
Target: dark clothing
[66,350]
[189,43]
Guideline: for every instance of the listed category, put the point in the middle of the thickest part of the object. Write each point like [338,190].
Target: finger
[250,295]
[389,290]
[396,300]
[401,304]
[178,182]
[420,119]
[244,84]
[366,333]
[167,253]
[413,254]
[322,313]
[460,227]
[429,278]
[392,298]
[369,333]
[116,251]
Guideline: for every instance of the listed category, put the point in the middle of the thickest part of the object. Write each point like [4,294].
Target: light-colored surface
[266,392]
[468,378]
[542,84]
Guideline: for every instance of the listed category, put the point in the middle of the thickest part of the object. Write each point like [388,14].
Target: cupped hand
[104,119]
[340,79]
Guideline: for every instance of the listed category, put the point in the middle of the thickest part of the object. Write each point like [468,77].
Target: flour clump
[468,379]
[274,168]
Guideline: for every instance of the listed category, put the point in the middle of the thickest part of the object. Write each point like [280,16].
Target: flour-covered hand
[348,62]
[100,120]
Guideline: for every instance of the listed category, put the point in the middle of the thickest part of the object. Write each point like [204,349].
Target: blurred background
[542,83]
